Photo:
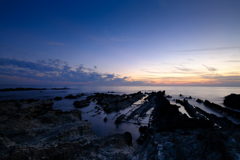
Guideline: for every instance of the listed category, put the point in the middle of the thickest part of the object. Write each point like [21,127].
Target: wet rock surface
[31,129]
[220,109]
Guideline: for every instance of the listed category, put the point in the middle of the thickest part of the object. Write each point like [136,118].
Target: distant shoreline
[29,89]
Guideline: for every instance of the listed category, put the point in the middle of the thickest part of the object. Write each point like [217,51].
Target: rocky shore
[31,129]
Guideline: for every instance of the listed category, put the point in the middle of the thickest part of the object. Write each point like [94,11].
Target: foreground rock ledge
[33,130]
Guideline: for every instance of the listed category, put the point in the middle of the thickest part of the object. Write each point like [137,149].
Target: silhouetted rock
[199,100]
[120,118]
[128,138]
[70,96]
[82,103]
[220,109]
[58,98]
[232,100]
[143,129]
[168,96]
[60,88]
[105,119]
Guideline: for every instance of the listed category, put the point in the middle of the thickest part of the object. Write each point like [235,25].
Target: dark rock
[35,131]
[180,95]
[221,121]
[220,109]
[199,100]
[128,138]
[70,96]
[143,129]
[190,97]
[119,119]
[167,117]
[168,96]
[232,100]
[58,98]
[197,144]
[105,119]
[82,103]
[60,88]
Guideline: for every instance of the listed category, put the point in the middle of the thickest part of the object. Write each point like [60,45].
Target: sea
[101,128]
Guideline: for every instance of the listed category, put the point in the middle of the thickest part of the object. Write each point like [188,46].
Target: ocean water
[101,128]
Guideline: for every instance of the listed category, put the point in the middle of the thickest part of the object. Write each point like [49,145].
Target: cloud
[238,61]
[208,49]
[58,70]
[95,67]
[56,43]
[182,69]
[210,68]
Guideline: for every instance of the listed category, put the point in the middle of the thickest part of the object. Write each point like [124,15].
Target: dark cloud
[58,70]
[210,68]
[95,67]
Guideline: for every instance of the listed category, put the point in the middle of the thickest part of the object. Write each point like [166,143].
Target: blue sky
[136,42]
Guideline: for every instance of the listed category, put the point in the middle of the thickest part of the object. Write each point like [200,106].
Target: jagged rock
[167,117]
[119,119]
[168,96]
[82,103]
[199,100]
[58,98]
[197,144]
[33,130]
[143,129]
[128,138]
[221,121]
[70,96]
[220,109]
[232,100]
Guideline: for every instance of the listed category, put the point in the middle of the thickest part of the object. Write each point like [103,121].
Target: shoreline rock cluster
[31,129]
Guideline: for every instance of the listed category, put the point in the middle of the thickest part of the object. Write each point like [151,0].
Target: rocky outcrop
[199,100]
[221,121]
[70,96]
[189,108]
[82,103]
[166,116]
[232,100]
[111,103]
[190,144]
[60,88]
[220,109]
[33,130]
[58,98]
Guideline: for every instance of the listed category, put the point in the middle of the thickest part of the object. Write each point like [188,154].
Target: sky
[120,42]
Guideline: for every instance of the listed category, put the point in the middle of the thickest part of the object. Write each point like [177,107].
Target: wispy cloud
[182,69]
[210,68]
[58,70]
[56,43]
[208,49]
[238,61]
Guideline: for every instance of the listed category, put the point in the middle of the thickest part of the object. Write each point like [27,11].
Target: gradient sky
[120,42]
